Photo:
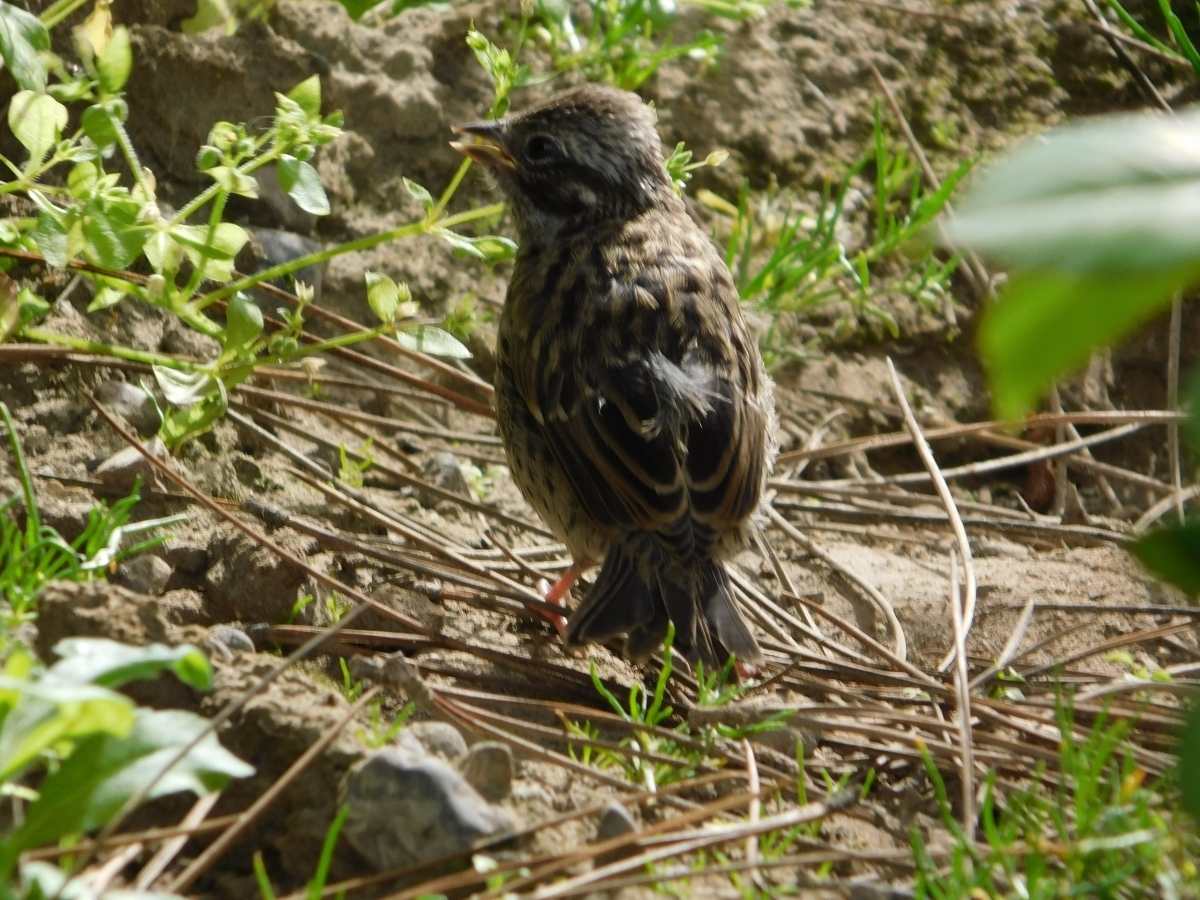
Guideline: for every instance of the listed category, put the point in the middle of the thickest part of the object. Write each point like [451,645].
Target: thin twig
[962,692]
[943,491]
[1176,335]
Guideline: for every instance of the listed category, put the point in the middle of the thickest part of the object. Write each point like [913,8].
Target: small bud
[155,286]
[312,366]
[223,136]
[209,157]
[304,292]
[716,157]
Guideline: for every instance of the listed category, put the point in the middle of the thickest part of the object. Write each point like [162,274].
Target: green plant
[316,884]
[1101,831]
[624,43]
[93,747]
[32,558]
[1174,26]
[351,472]
[787,257]
[85,210]
[379,736]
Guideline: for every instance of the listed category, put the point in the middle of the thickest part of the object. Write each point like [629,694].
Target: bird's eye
[540,149]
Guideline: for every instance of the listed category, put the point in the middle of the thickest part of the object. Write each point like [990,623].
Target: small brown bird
[633,403]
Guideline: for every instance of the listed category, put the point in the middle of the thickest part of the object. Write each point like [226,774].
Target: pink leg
[745,670]
[560,594]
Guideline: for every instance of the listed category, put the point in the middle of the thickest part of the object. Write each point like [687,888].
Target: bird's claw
[562,598]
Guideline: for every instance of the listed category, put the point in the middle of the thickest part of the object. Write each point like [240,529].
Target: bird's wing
[647,401]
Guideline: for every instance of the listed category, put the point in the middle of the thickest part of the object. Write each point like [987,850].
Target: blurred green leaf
[307,95]
[114,234]
[490,249]
[36,120]
[1120,193]
[51,238]
[1173,554]
[47,713]
[98,126]
[420,193]
[22,38]
[384,296]
[1189,761]
[10,307]
[243,322]
[434,341]
[182,389]
[1047,323]
[106,770]
[227,240]
[115,62]
[112,664]
[301,182]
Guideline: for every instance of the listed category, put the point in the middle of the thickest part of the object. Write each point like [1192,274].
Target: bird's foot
[745,670]
[561,599]
[560,594]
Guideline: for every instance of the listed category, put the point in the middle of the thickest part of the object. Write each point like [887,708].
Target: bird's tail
[708,627]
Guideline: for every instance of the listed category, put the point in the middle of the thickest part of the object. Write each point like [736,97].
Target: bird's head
[584,156]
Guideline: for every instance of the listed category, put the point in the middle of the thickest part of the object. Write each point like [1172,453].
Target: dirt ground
[792,98]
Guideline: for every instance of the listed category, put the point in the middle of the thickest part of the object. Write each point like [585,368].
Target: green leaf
[301,182]
[419,193]
[47,713]
[243,322]
[164,254]
[209,14]
[1189,761]
[37,120]
[51,237]
[83,179]
[114,235]
[307,95]
[22,38]
[10,307]
[181,424]
[1048,323]
[490,249]
[31,306]
[182,389]
[235,181]
[227,241]
[1173,555]
[105,770]
[111,664]
[385,296]
[105,297]
[434,341]
[98,126]
[115,62]
[1117,194]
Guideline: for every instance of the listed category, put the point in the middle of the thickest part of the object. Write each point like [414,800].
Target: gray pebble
[233,639]
[441,470]
[145,573]
[489,769]
[614,822]
[406,808]
[439,738]
[134,405]
[120,469]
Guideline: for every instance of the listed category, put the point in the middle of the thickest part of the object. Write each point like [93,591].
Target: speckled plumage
[633,404]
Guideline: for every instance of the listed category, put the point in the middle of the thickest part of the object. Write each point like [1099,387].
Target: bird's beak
[488,150]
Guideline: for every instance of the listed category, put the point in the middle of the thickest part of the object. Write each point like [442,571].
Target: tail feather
[708,626]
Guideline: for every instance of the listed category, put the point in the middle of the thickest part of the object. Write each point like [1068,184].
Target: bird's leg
[560,593]
[745,670]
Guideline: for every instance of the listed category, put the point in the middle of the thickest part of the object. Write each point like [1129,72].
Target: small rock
[873,890]
[439,738]
[441,470]
[120,469]
[191,559]
[406,808]
[614,822]
[183,607]
[489,769]
[134,404]
[271,247]
[233,640]
[145,573]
